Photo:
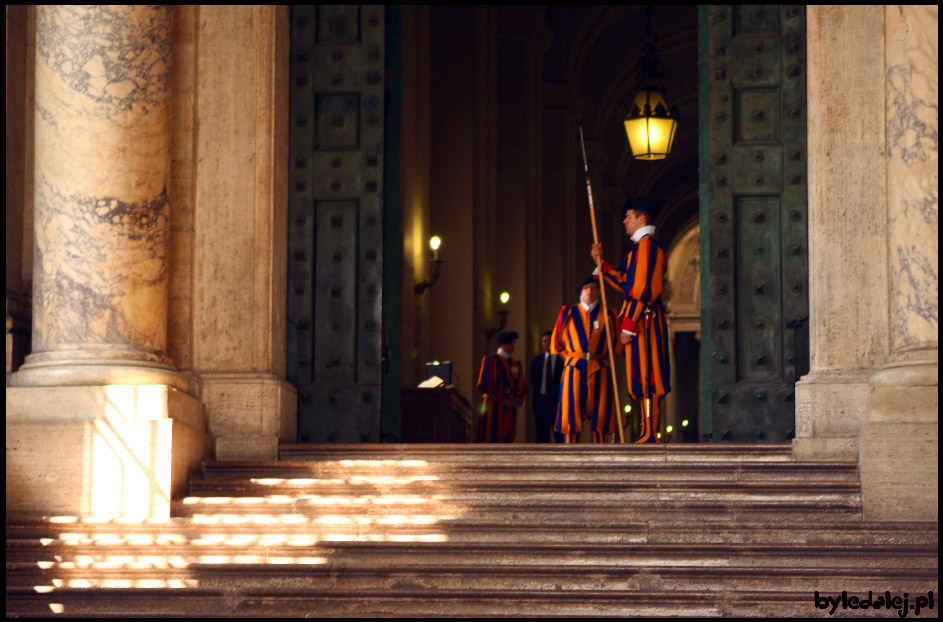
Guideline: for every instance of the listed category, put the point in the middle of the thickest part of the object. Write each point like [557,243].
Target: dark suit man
[546,394]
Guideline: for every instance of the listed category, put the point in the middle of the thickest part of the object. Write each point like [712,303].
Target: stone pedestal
[900,444]
[249,414]
[104,452]
[830,409]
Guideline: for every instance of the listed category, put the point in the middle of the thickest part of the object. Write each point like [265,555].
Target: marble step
[488,578]
[481,453]
[241,529]
[289,602]
[507,468]
[418,555]
[535,509]
[608,491]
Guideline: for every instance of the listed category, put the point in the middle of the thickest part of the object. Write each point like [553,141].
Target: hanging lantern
[651,124]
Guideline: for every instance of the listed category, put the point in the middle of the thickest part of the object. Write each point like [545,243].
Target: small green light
[684,423]
[628,408]
[669,429]
[435,242]
[505,297]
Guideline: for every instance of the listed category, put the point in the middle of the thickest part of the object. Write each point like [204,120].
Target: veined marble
[102,170]
[912,44]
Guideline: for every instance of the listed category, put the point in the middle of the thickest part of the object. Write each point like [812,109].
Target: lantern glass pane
[650,137]
[637,131]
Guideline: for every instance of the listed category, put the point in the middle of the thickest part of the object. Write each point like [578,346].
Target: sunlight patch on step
[116,584]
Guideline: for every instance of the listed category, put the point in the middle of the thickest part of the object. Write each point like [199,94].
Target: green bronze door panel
[753,172]
[335,221]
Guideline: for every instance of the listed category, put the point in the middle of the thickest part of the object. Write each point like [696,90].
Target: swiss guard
[501,380]
[644,326]
[586,388]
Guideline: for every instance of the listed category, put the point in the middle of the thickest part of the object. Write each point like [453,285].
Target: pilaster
[848,332]
[240,221]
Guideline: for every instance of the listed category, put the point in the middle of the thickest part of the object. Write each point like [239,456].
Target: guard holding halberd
[641,277]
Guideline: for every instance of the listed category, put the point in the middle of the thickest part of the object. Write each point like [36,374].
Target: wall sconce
[491,332]
[650,124]
[434,243]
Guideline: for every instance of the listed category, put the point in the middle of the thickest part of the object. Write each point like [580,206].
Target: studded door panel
[335,227]
[756,242]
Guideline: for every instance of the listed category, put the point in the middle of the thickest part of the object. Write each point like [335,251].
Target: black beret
[592,279]
[642,204]
[507,337]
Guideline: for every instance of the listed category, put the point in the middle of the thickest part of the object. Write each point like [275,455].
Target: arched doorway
[683,301]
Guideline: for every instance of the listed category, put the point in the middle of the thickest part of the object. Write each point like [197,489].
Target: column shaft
[101,208]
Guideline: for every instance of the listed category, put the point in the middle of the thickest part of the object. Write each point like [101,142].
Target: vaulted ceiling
[597,49]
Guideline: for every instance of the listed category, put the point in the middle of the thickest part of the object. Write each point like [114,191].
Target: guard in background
[501,380]
[641,277]
[586,388]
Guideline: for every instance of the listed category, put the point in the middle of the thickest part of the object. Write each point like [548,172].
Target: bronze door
[754,240]
[335,220]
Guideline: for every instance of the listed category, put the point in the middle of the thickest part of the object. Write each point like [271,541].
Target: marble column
[98,421]
[101,210]
[899,441]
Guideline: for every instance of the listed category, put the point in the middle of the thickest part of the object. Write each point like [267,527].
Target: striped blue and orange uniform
[501,380]
[641,278]
[579,336]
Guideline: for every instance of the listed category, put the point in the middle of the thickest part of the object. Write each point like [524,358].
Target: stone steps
[477,530]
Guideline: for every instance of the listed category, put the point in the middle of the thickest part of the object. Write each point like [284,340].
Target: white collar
[642,232]
[502,353]
[590,307]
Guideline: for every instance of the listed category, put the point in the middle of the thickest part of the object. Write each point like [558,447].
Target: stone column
[102,165]
[899,441]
